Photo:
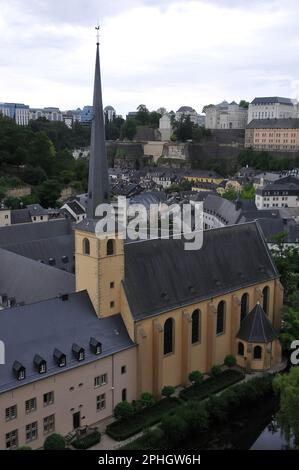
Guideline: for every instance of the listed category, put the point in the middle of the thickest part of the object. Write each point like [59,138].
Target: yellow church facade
[178,340]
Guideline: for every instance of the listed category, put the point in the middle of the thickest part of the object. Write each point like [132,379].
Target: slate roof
[28,281]
[41,241]
[223,208]
[256,327]
[272,100]
[20,216]
[281,123]
[76,207]
[42,327]
[160,275]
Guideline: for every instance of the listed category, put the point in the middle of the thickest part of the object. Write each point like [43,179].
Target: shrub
[87,441]
[175,429]
[230,361]
[54,442]
[123,410]
[231,399]
[196,377]
[24,448]
[197,417]
[147,399]
[216,371]
[167,391]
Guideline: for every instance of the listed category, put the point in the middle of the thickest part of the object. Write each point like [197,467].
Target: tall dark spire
[98,181]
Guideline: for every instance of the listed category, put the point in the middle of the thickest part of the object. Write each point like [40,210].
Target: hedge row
[123,429]
[87,441]
[212,385]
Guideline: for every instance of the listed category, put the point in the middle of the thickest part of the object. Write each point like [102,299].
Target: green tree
[230,361]
[248,192]
[154,118]
[183,128]
[287,386]
[123,410]
[230,194]
[49,192]
[143,115]
[175,429]
[147,399]
[128,129]
[216,370]
[54,442]
[167,391]
[196,377]
[244,104]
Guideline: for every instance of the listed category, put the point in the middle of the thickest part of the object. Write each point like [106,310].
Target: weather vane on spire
[97,28]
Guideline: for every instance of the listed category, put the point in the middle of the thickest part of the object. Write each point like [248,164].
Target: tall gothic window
[244,306]
[220,327]
[168,336]
[266,291]
[110,247]
[86,246]
[196,318]
[257,352]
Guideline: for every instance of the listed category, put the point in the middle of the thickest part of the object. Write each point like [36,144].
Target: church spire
[98,181]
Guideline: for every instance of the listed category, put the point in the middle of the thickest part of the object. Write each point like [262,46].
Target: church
[141,315]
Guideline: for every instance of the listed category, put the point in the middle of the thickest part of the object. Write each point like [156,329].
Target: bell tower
[99,260]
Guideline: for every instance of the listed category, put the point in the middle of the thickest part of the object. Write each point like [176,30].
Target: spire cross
[97,28]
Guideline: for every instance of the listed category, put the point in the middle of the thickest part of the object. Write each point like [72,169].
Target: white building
[17,111]
[165,127]
[272,107]
[51,114]
[226,116]
[282,193]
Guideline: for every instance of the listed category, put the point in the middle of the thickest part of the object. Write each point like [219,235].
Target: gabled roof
[161,275]
[44,327]
[256,327]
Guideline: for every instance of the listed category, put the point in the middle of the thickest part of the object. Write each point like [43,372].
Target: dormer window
[59,358]
[95,346]
[19,370]
[40,364]
[78,352]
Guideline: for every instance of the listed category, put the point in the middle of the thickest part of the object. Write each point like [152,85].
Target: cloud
[162,53]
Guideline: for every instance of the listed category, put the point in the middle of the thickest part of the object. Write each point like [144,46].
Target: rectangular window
[123,369]
[111,285]
[100,380]
[49,424]
[11,439]
[101,402]
[111,304]
[30,405]
[31,432]
[11,413]
[48,398]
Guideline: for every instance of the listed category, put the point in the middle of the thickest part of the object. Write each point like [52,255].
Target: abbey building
[136,316]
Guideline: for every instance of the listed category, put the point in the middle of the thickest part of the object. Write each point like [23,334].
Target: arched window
[257,352]
[241,349]
[266,291]
[86,246]
[168,336]
[220,327]
[110,247]
[124,394]
[244,306]
[196,319]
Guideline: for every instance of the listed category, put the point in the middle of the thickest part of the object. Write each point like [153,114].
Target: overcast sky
[161,53]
